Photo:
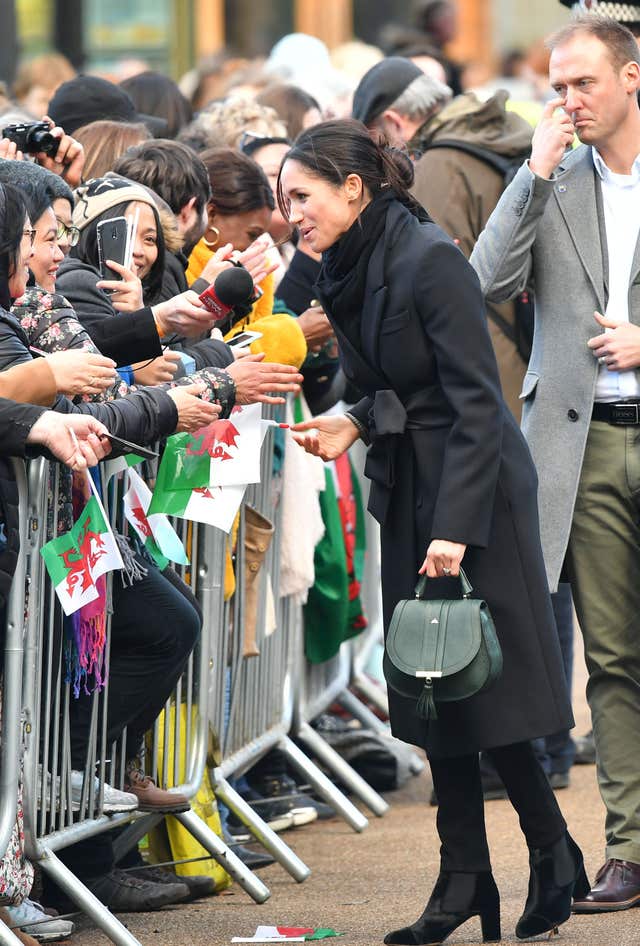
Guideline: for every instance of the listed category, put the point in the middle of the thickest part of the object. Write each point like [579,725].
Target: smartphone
[113,237]
[243,339]
[145,452]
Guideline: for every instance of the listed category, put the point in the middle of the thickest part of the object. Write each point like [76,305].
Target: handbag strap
[464,583]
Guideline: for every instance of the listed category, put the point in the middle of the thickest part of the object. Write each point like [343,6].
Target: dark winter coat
[460,192]
[77,282]
[447,461]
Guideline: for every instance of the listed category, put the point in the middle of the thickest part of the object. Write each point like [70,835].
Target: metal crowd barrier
[12,721]
[247,705]
[254,712]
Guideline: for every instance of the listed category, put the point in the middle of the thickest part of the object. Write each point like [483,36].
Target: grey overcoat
[550,235]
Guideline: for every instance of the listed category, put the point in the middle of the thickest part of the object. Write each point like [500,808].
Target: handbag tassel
[426,706]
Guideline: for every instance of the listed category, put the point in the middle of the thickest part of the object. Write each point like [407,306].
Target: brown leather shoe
[617,887]
[152,798]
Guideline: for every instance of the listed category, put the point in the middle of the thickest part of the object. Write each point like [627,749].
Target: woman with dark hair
[96,299]
[158,95]
[451,478]
[240,207]
[239,212]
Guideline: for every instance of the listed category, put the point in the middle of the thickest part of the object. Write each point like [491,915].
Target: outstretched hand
[327,436]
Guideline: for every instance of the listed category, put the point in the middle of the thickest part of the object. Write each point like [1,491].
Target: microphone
[234,286]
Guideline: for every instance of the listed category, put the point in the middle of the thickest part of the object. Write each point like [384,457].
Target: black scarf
[343,275]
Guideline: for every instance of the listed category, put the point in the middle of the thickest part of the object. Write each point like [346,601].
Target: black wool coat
[448,461]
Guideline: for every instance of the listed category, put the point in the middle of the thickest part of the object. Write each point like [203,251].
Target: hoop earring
[211,243]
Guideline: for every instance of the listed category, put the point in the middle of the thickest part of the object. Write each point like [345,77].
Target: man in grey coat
[568,225]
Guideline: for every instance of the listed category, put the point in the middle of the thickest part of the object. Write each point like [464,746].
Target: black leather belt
[622,413]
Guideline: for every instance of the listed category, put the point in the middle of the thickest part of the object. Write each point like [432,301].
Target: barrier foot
[224,856]
[369,720]
[101,915]
[261,831]
[346,773]
[132,833]
[323,785]
[375,693]
[8,937]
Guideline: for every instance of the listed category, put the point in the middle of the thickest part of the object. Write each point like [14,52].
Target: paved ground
[369,883]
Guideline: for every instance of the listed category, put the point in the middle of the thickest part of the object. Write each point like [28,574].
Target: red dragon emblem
[81,561]
[213,440]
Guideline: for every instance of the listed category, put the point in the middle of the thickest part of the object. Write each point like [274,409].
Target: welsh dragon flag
[203,476]
[77,559]
[155,531]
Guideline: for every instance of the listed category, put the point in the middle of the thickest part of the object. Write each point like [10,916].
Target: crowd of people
[426,247]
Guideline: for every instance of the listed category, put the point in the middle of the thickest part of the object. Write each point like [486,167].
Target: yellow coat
[282,338]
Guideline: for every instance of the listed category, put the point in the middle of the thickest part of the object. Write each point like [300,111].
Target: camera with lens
[32,138]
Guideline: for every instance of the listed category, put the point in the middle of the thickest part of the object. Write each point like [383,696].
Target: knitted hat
[88,99]
[26,174]
[98,195]
[381,86]
[622,12]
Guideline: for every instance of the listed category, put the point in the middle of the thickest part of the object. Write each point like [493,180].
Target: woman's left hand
[443,558]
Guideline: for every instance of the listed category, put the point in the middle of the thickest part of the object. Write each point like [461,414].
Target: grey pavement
[366,884]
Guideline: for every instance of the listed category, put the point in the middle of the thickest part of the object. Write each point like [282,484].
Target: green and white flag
[77,559]
[154,530]
[182,485]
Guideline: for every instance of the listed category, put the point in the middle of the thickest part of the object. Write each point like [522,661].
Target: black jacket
[77,282]
[447,461]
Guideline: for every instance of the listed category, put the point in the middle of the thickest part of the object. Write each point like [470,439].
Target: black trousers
[156,623]
[460,817]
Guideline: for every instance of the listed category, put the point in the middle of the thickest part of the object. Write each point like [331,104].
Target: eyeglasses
[71,233]
[250,141]
[31,233]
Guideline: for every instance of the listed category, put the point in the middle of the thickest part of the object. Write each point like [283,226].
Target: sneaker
[199,885]
[123,893]
[152,798]
[114,800]
[280,814]
[276,814]
[284,788]
[31,919]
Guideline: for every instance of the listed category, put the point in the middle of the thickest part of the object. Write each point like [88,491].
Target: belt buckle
[625,414]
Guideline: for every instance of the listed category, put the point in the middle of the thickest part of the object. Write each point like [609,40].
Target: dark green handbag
[441,650]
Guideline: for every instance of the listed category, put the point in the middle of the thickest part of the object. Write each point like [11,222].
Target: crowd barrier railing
[13,723]
[247,705]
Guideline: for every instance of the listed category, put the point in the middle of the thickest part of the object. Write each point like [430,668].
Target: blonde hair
[106,141]
[49,71]
[224,123]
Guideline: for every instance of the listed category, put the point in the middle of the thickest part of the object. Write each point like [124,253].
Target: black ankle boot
[456,897]
[557,875]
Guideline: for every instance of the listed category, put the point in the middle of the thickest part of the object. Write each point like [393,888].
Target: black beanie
[381,86]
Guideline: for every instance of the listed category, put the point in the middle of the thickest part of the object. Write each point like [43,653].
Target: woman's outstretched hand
[443,558]
[327,436]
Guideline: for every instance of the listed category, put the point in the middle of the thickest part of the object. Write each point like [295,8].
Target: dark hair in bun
[333,150]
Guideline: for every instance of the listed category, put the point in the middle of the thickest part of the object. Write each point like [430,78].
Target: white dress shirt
[621,200]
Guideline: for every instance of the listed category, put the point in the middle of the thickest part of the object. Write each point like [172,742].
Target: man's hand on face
[553,135]
[618,348]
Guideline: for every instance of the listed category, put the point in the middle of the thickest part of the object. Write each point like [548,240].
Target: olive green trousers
[603,563]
